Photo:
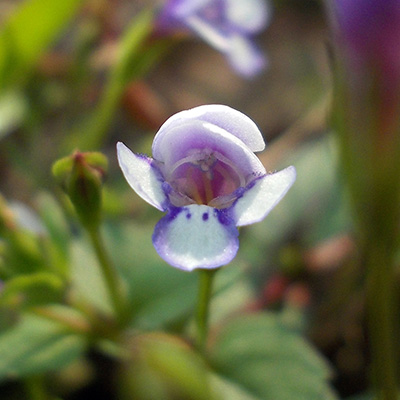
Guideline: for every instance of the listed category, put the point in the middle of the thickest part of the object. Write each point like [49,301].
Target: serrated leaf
[35,346]
[228,390]
[269,360]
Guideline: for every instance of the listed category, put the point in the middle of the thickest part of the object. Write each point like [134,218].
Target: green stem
[381,320]
[114,287]
[135,57]
[203,306]
[76,325]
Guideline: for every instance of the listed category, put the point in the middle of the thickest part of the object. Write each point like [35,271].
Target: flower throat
[205,175]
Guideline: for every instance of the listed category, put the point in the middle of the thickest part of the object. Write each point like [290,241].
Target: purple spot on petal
[223,217]
[205,216]
[188,215]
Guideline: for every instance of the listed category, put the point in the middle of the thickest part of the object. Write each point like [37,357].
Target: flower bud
[81,176]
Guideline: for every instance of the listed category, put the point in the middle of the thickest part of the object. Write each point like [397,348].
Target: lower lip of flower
[206,175]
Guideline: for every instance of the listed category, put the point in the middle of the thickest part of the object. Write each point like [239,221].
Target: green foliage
[270,361]
[28,32]
[35,346]
[134,57]
[87,281]
[58,232]
[13,110]
[30,290]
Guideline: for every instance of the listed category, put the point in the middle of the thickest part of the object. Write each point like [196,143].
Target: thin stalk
[110,276]
[381,321]
[206,277]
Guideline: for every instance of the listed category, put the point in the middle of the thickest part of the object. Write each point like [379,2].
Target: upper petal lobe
[227,118]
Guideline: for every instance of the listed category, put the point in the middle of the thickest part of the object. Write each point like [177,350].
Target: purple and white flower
[205,176]
[226,25]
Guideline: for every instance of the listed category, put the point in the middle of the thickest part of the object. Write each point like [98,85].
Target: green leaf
[228,390]
[32,289]
[270,361]
[164,367]
[35,346]
[28,32]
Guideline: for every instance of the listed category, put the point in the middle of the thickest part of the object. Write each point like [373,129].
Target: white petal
[245,57]
[185,8]
[180,139]
[249,15]
[261,198]
[208,32]
[142,177]
[227,118]
[196,236]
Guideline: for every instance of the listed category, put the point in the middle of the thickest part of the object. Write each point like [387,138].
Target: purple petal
[233,121]
[196,236]
[174,12]
[262,196]
[369,33]
[174,144]
[184,8]
[142,176]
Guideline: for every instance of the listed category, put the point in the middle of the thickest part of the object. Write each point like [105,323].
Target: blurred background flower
[227,25]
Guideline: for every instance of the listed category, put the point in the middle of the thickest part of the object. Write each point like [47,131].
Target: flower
[227,25]
[205,175]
